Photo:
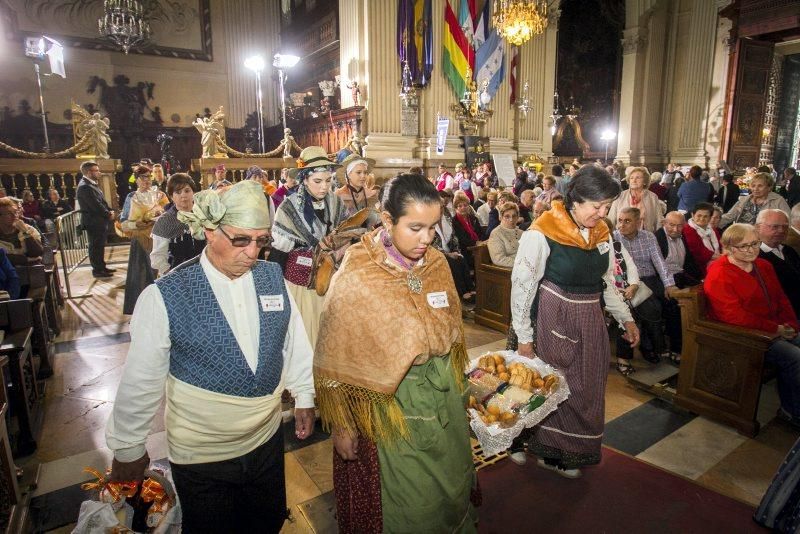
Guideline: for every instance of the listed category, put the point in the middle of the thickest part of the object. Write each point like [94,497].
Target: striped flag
[513,72]
[415,39]
[490,62]
[457,54]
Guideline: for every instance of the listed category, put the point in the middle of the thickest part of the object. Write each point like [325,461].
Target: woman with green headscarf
[301,222]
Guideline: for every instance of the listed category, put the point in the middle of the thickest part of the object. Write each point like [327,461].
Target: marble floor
[92,348]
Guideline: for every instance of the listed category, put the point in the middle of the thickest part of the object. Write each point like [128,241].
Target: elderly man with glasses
[220,337]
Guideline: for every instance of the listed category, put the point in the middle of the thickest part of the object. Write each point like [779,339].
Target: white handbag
[642,294]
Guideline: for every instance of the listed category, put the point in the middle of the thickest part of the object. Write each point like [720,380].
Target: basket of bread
[508,393]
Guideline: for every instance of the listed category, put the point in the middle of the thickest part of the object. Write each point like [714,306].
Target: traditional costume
[398,385]
[224,350]
[357,199]
[173,242]
[559,275]
[301,223]
[139,207]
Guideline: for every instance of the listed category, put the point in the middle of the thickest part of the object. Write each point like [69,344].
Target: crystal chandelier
[519,20]
[124,23]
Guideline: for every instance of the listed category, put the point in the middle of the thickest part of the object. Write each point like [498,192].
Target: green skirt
[426,480]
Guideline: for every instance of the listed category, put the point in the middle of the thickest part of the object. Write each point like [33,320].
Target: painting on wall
[180,28]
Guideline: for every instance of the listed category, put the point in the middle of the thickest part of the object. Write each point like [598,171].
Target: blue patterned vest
[204,351]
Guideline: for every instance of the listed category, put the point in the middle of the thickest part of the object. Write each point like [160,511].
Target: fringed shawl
[373,329]
[291,223]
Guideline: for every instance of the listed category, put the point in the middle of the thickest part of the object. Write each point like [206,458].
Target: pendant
[414,283]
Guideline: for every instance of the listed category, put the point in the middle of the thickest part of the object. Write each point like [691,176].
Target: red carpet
[621,494]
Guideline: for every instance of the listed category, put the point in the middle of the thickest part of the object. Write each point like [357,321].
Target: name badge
[271,303]
[438,299]
[603,247]
[305,261]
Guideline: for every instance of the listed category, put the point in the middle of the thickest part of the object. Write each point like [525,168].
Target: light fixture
[519,20]
[124,23]
[408,94]
[283,62]
[607,136]
[524,103]
[257,64]
[555,115]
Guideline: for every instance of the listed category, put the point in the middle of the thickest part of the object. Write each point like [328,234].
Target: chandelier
[519,20]
[124,23]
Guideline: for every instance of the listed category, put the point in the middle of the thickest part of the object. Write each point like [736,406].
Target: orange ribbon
[153,492]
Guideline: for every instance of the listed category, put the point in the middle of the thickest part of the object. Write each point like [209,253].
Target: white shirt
[778,251]
[146,371]
[159,257]
[482,214]
[528,270]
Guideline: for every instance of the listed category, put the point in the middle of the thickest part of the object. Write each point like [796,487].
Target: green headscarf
[242,205]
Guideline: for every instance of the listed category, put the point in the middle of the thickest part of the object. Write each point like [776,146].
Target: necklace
[412,280]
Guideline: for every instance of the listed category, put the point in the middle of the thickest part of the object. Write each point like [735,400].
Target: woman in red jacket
[742,289]
[701,239]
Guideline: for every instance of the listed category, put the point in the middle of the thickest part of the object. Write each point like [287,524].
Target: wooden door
[749,99]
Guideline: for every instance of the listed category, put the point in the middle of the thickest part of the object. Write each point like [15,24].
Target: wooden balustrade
[38,175]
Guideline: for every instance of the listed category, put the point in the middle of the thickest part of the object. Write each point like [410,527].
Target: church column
[634,58]
[352,63]
[699,50]
[719,82]
[383,81]
[250,28]
[537,60]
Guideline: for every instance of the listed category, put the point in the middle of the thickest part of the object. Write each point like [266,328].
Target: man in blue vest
[221,338]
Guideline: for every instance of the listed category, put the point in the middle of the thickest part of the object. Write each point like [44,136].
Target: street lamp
[256,64]
[607,136]
[283,62]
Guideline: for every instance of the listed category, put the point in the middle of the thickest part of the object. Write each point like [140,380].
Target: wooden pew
[492,291]
[722,366]
[16,321]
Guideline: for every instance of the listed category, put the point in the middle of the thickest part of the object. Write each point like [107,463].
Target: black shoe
[651,357]
[109,270]
[625,369]
[102,275]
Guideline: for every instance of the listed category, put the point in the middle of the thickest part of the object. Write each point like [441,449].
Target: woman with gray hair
[640,197]
[761,197]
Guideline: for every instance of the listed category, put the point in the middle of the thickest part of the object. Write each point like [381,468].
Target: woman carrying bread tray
[564,265]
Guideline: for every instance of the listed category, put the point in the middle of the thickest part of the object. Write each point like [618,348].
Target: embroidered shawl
[373,329]
[291,224]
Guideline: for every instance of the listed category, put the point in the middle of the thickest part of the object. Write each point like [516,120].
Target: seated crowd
[670,231]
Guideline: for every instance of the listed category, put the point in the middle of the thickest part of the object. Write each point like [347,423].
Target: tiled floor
[93,347]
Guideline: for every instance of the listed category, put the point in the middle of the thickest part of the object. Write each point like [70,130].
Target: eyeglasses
[748,246]
[242,241]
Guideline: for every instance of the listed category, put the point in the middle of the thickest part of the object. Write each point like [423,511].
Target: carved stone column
[634,58]
[693,105]
[250,28]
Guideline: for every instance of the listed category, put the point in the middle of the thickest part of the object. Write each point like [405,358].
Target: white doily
[493,438]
